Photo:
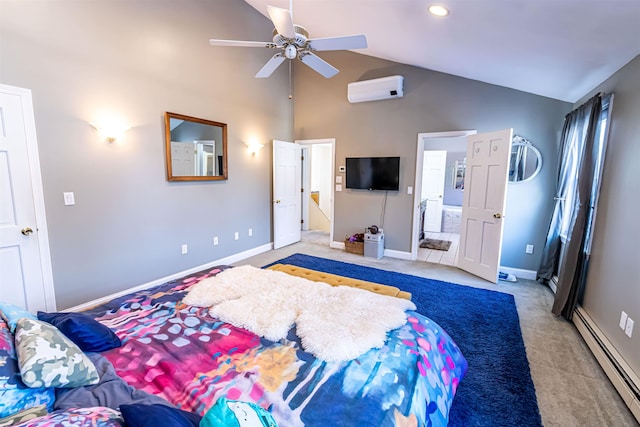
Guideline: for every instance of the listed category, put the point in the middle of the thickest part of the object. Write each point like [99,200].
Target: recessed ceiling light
[438,10]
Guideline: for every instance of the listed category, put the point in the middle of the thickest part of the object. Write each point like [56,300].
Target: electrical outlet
[623,320]
[529,249]
[250,232]
[629,329]
[185,249]
[236,235]
[215,241]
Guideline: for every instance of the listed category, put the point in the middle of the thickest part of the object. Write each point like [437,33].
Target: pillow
[24,415]
[14,395]
[49,359]
[157,415]
[234,413]
[84,330]
[12,313]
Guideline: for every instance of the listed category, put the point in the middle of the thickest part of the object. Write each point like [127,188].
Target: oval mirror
[196,149]
[526,160]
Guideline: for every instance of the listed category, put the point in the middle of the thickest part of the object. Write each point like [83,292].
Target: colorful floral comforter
[184,355]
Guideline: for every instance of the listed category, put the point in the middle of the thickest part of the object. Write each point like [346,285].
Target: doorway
[438,198]
[318,160]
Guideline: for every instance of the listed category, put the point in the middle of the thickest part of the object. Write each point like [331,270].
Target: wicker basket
[354,247]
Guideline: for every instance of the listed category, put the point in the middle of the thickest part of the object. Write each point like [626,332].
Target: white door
[25,264]
[433,174]
[287,196]
[183,158]
[483,204]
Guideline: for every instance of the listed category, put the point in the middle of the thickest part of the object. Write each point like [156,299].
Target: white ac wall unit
[376,89]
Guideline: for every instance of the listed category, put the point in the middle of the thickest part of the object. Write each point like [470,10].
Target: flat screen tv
[373,173]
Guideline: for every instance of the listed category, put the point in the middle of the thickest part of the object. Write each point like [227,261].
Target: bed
[182,354]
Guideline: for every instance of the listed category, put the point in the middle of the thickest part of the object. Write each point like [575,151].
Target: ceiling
[561,49]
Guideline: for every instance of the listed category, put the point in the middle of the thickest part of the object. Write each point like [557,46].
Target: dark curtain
[579,138]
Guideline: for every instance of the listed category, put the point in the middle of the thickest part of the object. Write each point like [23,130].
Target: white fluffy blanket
[334,323]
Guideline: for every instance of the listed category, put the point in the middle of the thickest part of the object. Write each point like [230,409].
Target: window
[574,158]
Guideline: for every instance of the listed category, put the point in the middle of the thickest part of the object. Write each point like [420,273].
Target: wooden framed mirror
[196,149]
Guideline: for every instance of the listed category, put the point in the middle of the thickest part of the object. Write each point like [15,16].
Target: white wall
[321,179]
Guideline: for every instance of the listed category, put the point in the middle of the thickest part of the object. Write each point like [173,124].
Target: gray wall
[432,102]
[140,59]
[613,278]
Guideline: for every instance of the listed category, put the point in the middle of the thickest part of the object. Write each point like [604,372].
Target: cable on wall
[384,208]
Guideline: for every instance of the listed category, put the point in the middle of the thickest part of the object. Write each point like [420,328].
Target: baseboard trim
[625,381]
[336,245]
[519,272]
[397,254]
[222,261]
[387,252]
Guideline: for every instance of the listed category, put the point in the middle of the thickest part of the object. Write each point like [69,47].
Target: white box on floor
[374,245]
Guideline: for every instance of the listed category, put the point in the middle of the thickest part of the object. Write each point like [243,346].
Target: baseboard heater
[619,372]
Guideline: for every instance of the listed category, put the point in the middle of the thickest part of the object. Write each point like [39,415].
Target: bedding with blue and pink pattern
[182,354]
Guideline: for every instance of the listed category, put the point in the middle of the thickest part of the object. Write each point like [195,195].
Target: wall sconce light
[110,130]
[254,146]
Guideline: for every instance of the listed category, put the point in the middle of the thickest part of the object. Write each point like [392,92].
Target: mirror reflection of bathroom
[441,199]
[525,162]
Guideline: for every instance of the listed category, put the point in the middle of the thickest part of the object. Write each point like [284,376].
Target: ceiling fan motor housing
[294,43]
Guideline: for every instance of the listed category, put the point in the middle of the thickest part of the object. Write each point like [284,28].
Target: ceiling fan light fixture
[438,10]
[290,52]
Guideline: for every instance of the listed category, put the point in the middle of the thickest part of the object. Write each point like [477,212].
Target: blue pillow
[86,332]
[155,415]
[12,313]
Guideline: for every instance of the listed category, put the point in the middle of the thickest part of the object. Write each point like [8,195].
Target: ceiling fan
[293,42]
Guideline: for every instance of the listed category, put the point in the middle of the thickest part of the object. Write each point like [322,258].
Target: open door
[287,200]
[435,163]
[25,261]
[484,201]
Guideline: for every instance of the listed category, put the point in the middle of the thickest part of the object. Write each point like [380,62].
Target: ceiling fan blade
[271,66]
[339,43]
[319,65]
[239,43]
[282,20]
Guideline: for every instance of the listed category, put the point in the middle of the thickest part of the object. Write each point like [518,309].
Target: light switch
[338,187]
[339,179]
[623,320]
[409,190]
[629,329]
[69,199]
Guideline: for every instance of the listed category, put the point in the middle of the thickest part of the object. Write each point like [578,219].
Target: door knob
[497,215]
[26,231]
[277,201]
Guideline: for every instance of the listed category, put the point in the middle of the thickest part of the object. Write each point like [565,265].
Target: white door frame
[417,193]
[307,178]
[38,194]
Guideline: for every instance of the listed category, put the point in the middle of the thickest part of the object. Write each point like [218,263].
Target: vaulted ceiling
[556,48]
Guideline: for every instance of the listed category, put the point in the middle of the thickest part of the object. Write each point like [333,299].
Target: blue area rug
[497,390]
